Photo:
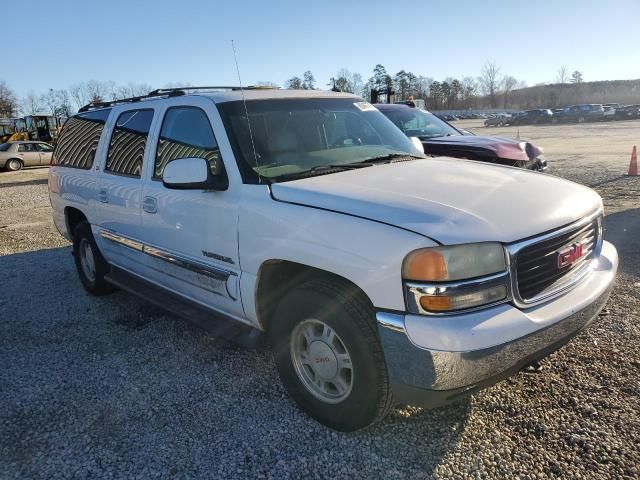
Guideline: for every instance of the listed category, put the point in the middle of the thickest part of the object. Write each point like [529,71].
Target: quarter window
[128,142]
[186,132]
[78,142]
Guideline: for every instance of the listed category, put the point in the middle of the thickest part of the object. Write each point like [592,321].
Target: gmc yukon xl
[378,275]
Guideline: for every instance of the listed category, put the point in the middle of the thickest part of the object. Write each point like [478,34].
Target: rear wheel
[14,165]
[91,265]
[328,354]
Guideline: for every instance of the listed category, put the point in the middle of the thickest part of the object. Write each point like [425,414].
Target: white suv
[377,274]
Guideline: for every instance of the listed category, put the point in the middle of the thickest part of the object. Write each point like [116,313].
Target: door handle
[102,195]
[150,205]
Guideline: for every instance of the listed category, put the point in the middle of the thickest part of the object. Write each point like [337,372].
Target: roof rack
[165,93]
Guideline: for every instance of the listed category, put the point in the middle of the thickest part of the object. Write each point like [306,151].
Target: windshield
[419,123]
[294,136]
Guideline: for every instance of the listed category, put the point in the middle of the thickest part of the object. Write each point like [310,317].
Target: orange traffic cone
[633,165]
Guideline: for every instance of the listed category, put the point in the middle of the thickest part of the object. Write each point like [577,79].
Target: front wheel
[328,355]
[14,165]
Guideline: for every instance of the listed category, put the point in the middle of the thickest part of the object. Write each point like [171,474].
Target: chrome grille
[537,269]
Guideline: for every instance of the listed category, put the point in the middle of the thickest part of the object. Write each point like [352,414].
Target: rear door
[45,150]
[118,204]
[29,155]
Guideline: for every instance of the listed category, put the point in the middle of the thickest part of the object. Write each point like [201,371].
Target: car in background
[439,138]
[533,117]
[446,117]
[609,112]
[627,112]
[497,120]
[15,155]
[593,112]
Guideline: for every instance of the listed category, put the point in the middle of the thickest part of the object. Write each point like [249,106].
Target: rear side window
[128,141]
[186,132]
[79,139]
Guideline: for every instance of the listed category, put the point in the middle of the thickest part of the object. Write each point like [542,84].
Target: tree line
[490,89]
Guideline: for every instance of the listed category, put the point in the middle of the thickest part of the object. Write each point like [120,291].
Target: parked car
[446,117]
[581,113]
[15,155]
[533,117]
[626,112]
[609,113]
[378,275]
[443,139]
[498,120]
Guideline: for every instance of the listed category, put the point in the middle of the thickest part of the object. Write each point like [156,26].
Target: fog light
[444,302]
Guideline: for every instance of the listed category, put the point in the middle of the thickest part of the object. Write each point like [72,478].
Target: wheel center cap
[323,360]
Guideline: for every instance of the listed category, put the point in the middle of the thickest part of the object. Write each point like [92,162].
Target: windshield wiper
[339,166]
[390,157]
[321,169]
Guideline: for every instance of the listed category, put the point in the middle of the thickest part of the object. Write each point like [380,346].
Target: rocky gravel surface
[112,387]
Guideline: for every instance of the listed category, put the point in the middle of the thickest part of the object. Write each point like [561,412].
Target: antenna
[246,111]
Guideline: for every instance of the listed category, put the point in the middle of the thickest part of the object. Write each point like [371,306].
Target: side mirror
[417,143]
[192,174]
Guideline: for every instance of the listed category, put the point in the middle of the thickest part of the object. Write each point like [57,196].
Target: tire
[91,265]
[501,124]
[14,164]
[322,306]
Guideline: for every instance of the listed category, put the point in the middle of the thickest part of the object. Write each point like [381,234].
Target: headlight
[458,262]
[447,279]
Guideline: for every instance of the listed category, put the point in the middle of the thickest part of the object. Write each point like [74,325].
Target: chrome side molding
[210,271]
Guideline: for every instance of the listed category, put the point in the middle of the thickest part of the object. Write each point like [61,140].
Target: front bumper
[434,360]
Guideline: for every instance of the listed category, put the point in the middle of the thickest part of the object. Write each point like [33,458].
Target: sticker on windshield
[365,106]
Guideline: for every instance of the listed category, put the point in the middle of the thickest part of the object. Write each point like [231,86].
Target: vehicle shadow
[107,374]
[623,230]
[39,181]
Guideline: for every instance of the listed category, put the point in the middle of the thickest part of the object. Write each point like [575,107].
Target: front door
[190,236]
[45,150]
[29,155]
[118,204]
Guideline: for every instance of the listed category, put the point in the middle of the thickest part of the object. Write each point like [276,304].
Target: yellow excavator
[44,128]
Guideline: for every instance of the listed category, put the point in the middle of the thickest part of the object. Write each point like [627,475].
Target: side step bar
[214,322]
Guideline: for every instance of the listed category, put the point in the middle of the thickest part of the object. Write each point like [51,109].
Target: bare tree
[65,108]
[469,91]
[77,92]
[50,99]
[8,100]
[31,104]
[489,82]
[345,81]
[294,83]
[563,75]
[508,84]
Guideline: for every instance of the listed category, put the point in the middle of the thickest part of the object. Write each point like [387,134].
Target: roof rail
[164,93]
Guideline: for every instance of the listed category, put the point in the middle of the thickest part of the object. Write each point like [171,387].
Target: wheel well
[73,217]
[277,277]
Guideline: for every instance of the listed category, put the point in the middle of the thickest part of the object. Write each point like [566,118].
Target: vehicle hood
[451,201]
[499,147]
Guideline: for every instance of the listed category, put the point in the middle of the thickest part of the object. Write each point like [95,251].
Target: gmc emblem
[569,255]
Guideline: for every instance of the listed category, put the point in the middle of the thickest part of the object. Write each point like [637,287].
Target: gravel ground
[112,387]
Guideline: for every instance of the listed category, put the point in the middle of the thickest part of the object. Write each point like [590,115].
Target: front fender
[365,252]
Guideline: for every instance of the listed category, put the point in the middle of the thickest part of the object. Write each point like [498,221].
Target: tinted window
[186,132]
[128,142]
[5,147]
[79,139]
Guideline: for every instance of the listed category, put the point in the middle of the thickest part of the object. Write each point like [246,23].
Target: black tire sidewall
[98,286]
[360,408]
